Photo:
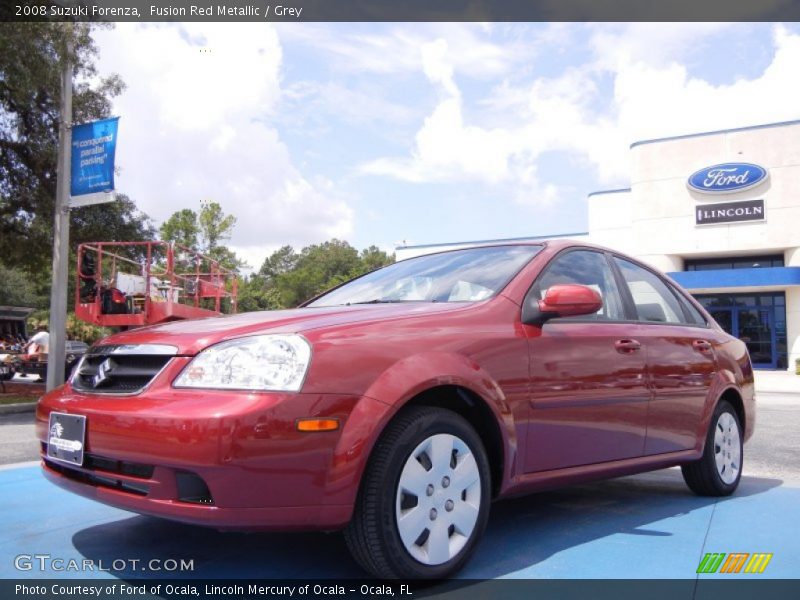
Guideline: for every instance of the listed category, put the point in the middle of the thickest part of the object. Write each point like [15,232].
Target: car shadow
[533,528]
[522,532]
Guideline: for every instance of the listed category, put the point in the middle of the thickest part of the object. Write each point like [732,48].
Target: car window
[694,315]
[584,267]
[467,275]
[464,291]
[654,301]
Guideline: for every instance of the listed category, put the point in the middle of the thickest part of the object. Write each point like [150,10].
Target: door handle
[701,345]
[627,346]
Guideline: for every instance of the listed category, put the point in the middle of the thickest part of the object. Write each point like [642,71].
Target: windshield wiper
[375,301]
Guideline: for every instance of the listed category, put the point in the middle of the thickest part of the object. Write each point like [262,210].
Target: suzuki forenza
[399,405]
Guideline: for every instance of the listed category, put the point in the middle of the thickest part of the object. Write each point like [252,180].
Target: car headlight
[261,362]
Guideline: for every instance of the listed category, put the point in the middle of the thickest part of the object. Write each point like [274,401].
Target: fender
[389,393]
[726,380]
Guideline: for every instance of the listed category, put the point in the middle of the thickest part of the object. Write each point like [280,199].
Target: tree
[280,261]
[255,294]
[30,70]
[373,258]
[17,289]
[203,232]
[181,228]
[214,226]
[287,279]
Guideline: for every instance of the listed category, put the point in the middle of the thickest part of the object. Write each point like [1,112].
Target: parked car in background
[74,349]
[399,405]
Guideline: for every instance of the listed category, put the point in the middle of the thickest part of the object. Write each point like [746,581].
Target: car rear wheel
[719,470]
[424,499]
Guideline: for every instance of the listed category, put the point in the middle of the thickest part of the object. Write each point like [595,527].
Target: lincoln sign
[729,212]
[726,178]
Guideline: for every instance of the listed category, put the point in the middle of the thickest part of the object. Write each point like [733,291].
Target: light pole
[58,292]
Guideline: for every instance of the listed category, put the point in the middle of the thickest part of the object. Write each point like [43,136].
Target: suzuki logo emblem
[103,373]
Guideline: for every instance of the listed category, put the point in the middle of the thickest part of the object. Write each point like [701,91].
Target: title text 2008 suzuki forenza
[397,406]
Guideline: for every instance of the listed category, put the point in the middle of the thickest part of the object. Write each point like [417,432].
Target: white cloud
[396,50]
[196,124]
[446,149]
[656,44]
[654,96]
[311,102]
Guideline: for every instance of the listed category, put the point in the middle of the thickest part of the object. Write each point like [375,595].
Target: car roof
[554,244]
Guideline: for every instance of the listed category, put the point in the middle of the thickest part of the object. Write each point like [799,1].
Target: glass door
[755,328]
[757,319]
[723,316]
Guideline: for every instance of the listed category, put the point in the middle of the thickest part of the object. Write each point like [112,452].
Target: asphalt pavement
[17,441]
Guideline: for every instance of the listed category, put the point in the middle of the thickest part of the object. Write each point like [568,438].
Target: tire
[427,473]
[718,471]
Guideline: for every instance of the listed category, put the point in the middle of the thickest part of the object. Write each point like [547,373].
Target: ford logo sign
[727,178]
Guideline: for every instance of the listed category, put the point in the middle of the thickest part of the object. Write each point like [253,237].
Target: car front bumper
[226,459]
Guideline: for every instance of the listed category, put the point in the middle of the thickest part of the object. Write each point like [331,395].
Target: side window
[584,267]
[654,301]
[694,315]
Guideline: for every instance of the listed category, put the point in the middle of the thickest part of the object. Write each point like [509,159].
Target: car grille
[120,369]
[131,478]
[101,471]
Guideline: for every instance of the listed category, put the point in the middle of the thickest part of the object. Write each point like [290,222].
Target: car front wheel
[719,470]
[424,499]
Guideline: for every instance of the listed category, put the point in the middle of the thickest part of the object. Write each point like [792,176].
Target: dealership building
[720,213]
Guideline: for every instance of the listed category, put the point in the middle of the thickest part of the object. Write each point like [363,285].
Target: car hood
[191,336]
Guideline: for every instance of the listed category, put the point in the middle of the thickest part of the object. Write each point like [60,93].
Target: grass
[16,398]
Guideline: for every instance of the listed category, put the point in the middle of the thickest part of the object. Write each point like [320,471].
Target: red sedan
[400,404]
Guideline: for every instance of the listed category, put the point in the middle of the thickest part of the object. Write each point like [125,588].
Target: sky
[393,134]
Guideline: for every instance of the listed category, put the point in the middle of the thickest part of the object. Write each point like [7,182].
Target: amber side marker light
[317,424]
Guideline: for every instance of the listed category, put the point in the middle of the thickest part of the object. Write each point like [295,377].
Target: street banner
[93,148]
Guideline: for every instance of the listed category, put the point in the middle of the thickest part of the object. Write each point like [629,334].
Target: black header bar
[401,10]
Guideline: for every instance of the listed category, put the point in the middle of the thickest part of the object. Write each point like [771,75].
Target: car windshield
[467,275]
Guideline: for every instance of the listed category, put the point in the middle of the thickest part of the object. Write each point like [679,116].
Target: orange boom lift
[130,284]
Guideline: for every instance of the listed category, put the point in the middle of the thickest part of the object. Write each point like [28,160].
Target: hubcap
[727,448]
[438,499]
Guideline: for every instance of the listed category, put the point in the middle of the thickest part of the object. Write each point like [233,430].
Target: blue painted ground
[648,526]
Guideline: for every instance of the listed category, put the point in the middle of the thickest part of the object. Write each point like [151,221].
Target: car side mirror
[567,300]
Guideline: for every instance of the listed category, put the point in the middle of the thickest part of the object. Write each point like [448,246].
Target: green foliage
[203,232]
[30,89]
[76,329]
[287,279]
[181,228]
[255,294]
[18,289]
[214,226]
[280,261]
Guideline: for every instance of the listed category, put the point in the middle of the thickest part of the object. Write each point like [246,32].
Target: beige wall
[655,221]
[658,214]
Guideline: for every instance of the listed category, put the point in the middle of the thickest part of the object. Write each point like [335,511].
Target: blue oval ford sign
[727,177]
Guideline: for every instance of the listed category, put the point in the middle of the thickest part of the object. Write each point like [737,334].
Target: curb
[21,407]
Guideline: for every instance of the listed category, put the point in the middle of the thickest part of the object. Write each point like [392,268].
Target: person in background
[38,344]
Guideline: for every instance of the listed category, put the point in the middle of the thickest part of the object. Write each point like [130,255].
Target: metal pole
[58,292]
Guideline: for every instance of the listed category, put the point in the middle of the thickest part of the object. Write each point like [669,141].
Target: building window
[733,262]
[759,320]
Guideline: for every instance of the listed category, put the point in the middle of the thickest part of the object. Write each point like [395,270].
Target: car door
[680,358]
[587,376]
